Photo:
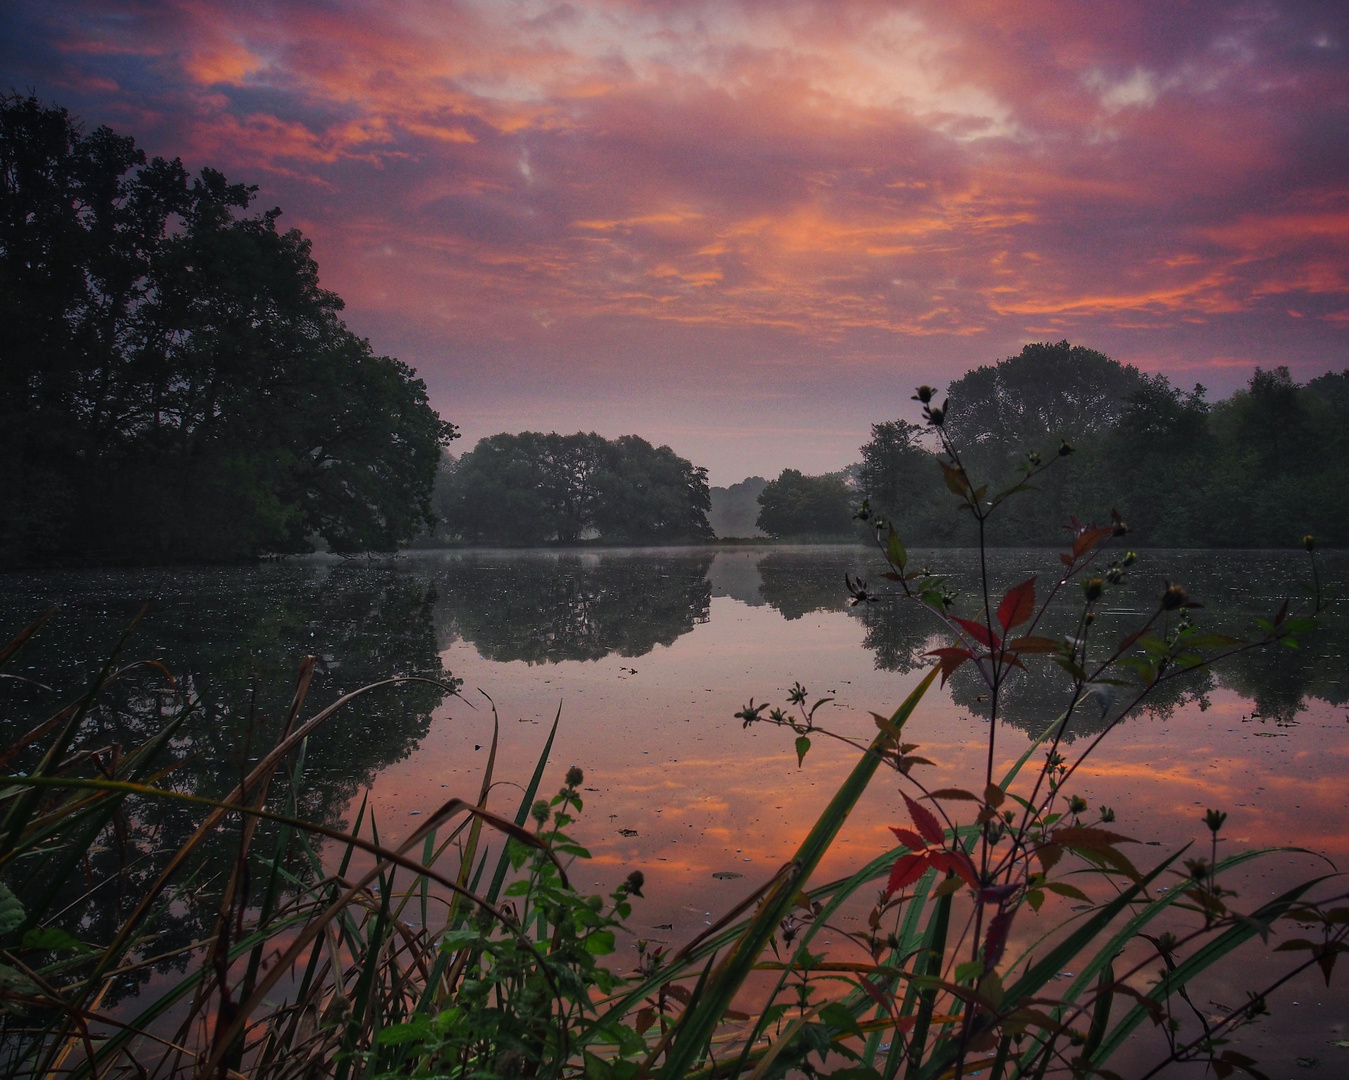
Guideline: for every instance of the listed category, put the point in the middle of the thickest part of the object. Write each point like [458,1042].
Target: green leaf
[895,552]
[839,1016]
[955,479]
[418,1029]
[458,939]
[12,914]
[52,937]
[970,970]
[802,745]
[600,943]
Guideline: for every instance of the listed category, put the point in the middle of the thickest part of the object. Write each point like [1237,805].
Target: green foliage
[174,384]
[533,488]
[799,506]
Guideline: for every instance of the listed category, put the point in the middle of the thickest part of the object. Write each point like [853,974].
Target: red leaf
[950,660]
[958,863]
[907,870]
[909,838]
[979,632]
[1088,539]
[1018,605]
[996,942]
[927,822]
[1067,560]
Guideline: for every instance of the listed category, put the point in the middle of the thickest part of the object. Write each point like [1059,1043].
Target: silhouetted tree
[797,505]
[532,488]
[175,384]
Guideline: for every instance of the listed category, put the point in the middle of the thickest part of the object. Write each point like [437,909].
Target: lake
[648,654]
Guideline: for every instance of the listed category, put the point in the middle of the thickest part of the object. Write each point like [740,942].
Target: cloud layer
[748,228]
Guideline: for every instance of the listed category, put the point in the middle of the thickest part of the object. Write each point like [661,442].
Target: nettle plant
[943,986]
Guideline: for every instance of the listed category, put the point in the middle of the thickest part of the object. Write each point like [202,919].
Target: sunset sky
[748,229]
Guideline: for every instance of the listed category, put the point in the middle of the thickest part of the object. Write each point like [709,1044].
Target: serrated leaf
[928,826]
[978,631]
[908,838]
[837,1015]
[1018,605]
[1088,539]
[12,914]
[52,937]
[949,660]
[906,870]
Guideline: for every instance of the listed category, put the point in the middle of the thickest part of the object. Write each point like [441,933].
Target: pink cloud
[833,184]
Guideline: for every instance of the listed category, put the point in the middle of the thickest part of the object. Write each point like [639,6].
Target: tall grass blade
[730,974]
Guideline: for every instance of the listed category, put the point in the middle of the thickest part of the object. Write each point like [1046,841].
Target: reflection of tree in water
[546,609]
[799,582]
[233,638]
[1277,679]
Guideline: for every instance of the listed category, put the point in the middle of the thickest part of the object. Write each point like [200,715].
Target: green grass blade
[522,815]
[726,979]
[1199,961]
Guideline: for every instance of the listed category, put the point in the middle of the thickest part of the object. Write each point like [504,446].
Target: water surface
[648,655]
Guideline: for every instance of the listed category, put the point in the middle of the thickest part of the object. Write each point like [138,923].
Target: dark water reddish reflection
[649,655]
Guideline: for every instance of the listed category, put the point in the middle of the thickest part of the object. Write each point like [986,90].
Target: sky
[749,229]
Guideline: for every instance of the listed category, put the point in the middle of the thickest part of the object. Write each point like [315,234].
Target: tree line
[1259,469]
[175,385]
[534,488]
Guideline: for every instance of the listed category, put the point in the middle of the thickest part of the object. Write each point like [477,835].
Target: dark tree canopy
[1260,469]
[795,505]
[174,384]
[534,488]
[1045,393]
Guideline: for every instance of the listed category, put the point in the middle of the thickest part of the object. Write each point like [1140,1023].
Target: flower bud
[574,776]
[1092,589]
[1309,542]
[924,395]
[634,882]
[1065,448]
[1130,557]
[1175,597]
[937,417]
[539,811]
